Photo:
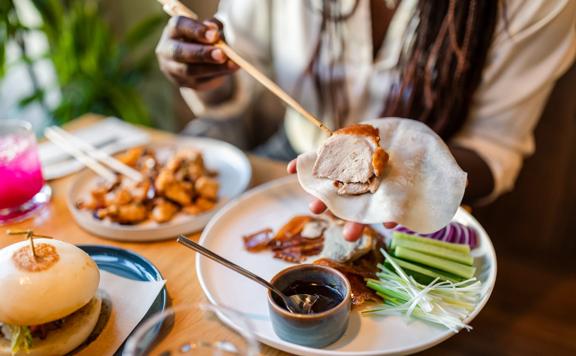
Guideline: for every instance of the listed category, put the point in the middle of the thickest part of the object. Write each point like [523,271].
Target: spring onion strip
[441,302]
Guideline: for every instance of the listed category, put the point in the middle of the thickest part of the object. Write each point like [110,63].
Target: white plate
[272,205]
[234,173]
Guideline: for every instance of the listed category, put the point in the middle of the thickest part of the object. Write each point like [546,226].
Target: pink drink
[22,188]
[20,172]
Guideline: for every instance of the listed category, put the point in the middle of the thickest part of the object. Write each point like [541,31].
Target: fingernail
[210,24]
[233,66]
[217,55]
[211,35]
[347,231]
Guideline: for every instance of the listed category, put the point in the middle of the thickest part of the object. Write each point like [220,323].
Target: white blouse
[526,58]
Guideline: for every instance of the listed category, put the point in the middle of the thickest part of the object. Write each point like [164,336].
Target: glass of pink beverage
[22,187]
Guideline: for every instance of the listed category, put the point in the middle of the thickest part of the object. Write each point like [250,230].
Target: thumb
[353,231]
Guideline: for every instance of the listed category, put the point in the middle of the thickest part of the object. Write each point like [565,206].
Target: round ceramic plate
[130,265]
[234,173]
[272,205]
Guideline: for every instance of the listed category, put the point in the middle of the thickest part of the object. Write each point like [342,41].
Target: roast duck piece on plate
[319,239]
[353,159]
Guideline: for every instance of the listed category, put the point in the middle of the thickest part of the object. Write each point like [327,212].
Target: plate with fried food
[184,183]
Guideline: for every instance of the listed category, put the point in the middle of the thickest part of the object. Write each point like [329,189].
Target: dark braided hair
[440,71]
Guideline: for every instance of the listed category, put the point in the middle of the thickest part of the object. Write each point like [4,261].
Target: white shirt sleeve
[246,29]
[525,60]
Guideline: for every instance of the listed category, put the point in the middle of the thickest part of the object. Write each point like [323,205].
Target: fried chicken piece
[168,186]
[120,196]
[200,205]
[192,209]
[205,204]
[163,211]
[177,192]
[194,162]
[131,156]
[97,198]
[140,191]
[207,187]
[164,179]
[128,214]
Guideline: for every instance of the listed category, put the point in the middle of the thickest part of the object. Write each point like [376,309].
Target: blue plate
[130,265]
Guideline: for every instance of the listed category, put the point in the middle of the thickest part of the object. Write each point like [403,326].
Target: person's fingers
[193,70]
[185,28]
[176,71]
[190,52]
[180,74]
[390,225]
[202,71]
[317,207]
[352,231]
[209,83]
[291,167]
[214,23]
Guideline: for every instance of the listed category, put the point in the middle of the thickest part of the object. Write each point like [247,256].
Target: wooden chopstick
[176,8]
[100,155]
[80,156]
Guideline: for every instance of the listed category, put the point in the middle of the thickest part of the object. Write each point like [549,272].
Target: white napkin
[130,301]
[110,135]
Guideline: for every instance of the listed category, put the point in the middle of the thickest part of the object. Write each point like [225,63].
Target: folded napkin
[110,135]
[129,301]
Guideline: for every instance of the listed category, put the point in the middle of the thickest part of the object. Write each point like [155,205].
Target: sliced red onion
[453,232]
[473,237]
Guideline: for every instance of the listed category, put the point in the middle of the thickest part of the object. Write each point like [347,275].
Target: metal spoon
[297,303]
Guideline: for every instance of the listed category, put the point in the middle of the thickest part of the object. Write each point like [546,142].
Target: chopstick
[176,8]
[80,156]
[99,155]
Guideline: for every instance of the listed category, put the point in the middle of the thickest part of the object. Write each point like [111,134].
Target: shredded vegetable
[21,338]
[441,302]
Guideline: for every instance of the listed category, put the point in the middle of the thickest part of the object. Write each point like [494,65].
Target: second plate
[234,173]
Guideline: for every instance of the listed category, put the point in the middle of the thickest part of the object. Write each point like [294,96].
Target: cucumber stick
[436,262]
[425,275]
[398,236]
[437,251]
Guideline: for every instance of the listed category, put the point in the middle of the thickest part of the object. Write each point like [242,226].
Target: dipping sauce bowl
[314,330]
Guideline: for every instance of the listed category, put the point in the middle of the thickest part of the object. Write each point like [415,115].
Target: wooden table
[531,312]
[175,262]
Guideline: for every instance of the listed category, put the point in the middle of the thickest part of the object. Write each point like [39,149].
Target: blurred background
[60,59]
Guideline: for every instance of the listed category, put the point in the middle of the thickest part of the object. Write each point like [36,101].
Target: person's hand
[352,230]
[187,55]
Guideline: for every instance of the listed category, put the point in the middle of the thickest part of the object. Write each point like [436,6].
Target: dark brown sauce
[329,295]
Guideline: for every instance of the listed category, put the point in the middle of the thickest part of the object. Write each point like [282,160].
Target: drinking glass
[193,330]
[22,187]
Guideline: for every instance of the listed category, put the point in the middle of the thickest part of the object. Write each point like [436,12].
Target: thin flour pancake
[421,186]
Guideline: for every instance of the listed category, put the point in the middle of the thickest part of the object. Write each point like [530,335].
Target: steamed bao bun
[34,298]
[421,188]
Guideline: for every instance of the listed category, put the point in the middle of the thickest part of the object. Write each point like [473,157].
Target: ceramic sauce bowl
[318,329]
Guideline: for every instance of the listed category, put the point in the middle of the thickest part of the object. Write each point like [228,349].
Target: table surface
[521,318]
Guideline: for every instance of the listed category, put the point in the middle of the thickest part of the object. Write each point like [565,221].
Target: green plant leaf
[95,71]
[142,31]
[29,99]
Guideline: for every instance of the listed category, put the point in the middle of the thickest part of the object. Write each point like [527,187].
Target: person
[477,72]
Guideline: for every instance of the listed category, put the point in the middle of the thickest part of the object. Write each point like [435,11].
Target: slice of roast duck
[353,159]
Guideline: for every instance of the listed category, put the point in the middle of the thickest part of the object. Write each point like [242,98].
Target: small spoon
[297,303]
